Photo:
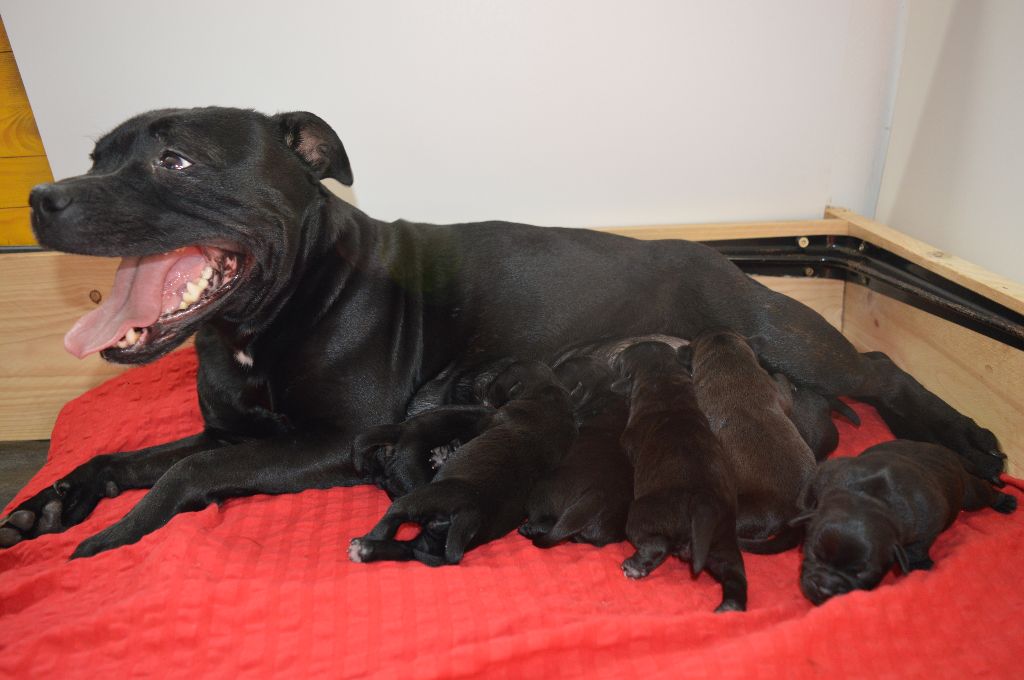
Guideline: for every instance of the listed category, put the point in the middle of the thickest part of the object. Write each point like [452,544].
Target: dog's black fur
[586,497]
[480,492]
[887,505]
[749,413]
[811,413]
[685,496]
[350,322]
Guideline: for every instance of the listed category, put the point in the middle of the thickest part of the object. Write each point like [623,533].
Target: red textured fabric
[262,587]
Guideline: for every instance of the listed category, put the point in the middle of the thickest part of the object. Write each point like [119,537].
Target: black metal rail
[857,261]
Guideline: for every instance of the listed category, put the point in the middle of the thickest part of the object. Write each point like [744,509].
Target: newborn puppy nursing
[586,497]
[749,414]
[685,500]
[887,505]
[480,493]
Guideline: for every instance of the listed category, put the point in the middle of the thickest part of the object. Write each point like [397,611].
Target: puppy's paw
[1005,503]
[358,551]
[634,569]
[56,508]
[730,606]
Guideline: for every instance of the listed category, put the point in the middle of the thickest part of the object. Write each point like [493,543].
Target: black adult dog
[316,321]
[480,493]
[885,506]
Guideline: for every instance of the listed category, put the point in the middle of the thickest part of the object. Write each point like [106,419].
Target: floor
[19,461]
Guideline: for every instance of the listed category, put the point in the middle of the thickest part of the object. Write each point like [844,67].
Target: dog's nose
[49,198]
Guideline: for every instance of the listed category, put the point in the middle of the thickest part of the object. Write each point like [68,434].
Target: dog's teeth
[183,305]
[132,336]
[193,290]
[202,284]
[207,272]
[122,344]
[190,296]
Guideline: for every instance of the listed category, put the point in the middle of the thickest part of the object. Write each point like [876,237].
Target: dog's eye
[172,161]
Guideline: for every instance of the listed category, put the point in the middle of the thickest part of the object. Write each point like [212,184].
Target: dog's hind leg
[648,556]
[792,339]
[725,563]
[70,499]
[267,466]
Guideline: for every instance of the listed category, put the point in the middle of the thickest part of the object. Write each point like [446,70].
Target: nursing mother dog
[314,321]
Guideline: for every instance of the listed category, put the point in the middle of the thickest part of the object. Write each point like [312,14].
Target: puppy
[586,498]
[887,505]
[480,493]
[750,415]
[685,499]
[811,413]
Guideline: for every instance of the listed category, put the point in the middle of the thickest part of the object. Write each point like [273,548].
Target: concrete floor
[19,461]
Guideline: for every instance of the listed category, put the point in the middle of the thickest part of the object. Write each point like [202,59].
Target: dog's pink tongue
[135,301]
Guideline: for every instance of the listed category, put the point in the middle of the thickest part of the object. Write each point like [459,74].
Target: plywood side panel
[825,296]
[41,296]
[734,230]
[980,377]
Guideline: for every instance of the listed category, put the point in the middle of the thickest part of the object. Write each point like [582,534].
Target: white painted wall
[955,165]
[581,112]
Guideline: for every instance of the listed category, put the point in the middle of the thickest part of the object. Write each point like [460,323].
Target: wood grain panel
[734,230]
[969,275]
[825,296]
[15,227]
[18,133]
[5,43]
[41,296]
[18,176]
[978,376]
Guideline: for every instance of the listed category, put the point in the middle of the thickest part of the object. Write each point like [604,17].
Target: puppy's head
[208,209]
[640,358]
[522,380]
[847,549]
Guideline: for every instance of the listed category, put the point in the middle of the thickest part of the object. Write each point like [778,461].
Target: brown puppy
[685,500]
[586,498]
[887,505]
[812,415]
[480,492]
[749,414]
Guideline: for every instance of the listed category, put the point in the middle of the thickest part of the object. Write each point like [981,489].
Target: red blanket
[262,586]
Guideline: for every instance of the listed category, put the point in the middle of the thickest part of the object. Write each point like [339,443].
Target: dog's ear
[807,500]
[703,523]
[802,518]
[685,353]
[316,143]
[901,556]
[461,532]
[620,387]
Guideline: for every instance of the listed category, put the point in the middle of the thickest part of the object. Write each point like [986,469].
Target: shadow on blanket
[263,586]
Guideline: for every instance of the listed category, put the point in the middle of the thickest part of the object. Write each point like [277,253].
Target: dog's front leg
[278,465]
[70,499]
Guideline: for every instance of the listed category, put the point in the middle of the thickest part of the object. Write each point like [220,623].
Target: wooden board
[978,376]
[15,226]
[734,230]
[969,275]
[41,296]
[18,176]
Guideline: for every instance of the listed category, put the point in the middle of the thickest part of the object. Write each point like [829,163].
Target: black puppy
[480,493]
[811,413]
[313,321]
[586,498]
[887,505]
[749,413]
[685,498]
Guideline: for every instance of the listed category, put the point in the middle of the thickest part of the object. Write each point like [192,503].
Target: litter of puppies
[685,449]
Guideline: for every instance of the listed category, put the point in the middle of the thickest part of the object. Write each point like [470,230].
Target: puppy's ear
[702,530]
[316,144]
[685,354]
[901,556]
[620,387]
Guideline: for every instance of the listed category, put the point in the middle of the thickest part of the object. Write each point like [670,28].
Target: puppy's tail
[843,409]
[787,538]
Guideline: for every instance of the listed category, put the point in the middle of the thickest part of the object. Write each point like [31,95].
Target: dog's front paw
[634,568]
[359,551]
[57,507]
[730,606]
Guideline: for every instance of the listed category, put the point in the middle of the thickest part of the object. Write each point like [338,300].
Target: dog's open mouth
[152,297]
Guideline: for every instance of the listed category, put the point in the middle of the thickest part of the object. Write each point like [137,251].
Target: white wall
[955,166]
[578,112]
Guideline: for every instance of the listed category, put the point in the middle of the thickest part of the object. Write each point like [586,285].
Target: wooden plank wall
[22,158]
